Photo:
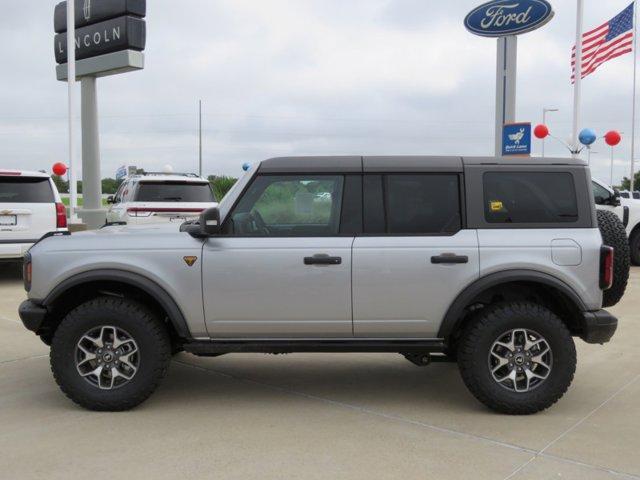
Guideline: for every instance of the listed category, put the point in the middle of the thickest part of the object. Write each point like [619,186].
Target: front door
[283,267]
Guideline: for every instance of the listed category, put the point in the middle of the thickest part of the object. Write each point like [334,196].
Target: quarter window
[530,197]
[290,205]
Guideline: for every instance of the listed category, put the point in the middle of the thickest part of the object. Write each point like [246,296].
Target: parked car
[494,264]
[160,198]
[627,209]
[30,207]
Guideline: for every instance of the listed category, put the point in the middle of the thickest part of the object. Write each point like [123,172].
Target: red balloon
[612,138]
[59,169]
[541,131]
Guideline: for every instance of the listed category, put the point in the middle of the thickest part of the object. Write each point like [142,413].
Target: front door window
[290,206]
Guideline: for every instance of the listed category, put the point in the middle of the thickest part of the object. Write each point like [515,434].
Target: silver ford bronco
[496,264]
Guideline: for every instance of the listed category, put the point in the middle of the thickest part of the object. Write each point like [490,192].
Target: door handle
[322,259]
[449,258]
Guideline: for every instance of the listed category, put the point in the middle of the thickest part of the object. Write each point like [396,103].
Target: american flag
[610,40]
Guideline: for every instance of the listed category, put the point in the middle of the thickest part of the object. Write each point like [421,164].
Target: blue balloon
[587,137]
[246,166]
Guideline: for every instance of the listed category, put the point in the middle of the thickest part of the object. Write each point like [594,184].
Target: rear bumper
[32,315]
[14,249]
[598,326]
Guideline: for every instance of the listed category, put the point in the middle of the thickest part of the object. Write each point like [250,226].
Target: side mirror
[210,221]
[599,200]
[111,200]
[615,199]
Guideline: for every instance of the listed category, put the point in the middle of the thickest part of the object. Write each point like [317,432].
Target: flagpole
[578,76]
[633,108]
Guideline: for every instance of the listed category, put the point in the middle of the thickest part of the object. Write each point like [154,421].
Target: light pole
[544,122]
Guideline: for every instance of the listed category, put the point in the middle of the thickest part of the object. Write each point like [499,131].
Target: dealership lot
[318,416]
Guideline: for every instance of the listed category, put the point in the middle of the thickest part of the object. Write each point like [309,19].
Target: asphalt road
[321,416]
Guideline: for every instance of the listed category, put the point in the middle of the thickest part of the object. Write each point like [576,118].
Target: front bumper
[598,326]
[32,315]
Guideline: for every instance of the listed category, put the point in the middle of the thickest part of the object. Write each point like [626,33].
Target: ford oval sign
[501,18]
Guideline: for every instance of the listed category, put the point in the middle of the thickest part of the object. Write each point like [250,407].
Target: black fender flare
[148,286]
[456,309]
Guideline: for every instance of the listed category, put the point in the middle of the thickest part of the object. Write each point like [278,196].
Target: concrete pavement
[318,416]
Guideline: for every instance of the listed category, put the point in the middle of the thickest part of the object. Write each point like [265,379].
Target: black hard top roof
[401,163]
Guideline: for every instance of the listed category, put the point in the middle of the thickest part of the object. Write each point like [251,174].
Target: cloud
[302,77]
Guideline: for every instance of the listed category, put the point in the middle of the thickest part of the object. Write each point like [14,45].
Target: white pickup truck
[627,209]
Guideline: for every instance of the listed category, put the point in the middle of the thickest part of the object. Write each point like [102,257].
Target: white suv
[30,207]
[160,198]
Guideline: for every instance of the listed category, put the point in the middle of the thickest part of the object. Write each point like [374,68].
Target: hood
[122,237]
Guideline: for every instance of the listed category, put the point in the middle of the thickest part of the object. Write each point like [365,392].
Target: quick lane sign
[94,11]
[123,33]
[516,139]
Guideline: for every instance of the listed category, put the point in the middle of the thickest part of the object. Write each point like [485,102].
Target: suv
[628,210]
[30,207]
[160,198]
[494,264]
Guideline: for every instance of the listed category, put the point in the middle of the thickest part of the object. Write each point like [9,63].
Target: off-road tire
[634,246]
[487,326]
[615,235]
[149,333]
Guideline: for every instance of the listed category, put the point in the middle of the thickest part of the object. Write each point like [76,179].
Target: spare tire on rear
[614,235]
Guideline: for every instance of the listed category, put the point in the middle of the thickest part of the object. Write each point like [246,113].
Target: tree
[626,184]
[110,185]
[61,184]
[221,185]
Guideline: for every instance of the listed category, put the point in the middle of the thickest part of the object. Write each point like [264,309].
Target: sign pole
[507,59]
[92,212]
[71,79]
[577,86]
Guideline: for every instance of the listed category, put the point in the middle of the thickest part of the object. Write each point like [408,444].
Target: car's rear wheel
[517,358]
[110,354]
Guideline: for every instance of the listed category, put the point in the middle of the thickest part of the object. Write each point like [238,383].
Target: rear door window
[412,204]
[25,190]
[530,197]
[174,191]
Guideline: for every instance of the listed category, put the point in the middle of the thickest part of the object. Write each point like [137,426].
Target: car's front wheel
[110,354]
[517,358]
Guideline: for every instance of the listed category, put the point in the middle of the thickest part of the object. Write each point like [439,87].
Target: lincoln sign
[102,26]
[501,18]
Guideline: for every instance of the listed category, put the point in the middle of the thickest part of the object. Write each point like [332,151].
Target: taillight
[606,267]
[61,216]
[27,271]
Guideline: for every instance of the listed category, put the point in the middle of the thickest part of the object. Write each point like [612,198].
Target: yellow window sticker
[496,206]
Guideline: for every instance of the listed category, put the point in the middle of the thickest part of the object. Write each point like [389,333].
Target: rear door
[27,208]
[415,255]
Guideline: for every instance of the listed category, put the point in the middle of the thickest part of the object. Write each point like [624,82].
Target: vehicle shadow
[387,383]
[10,273]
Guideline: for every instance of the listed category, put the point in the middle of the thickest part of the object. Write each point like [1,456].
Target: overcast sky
[304,77]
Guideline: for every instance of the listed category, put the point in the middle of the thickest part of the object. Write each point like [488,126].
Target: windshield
[25,190]
[174,191]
